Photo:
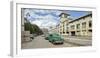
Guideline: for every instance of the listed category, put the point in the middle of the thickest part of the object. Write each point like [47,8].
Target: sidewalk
[78,41]
[78,37]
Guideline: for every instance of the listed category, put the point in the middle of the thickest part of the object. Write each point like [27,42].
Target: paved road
[81,41]
[40,42]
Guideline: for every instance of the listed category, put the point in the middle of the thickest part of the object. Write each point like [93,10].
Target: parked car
[55,38]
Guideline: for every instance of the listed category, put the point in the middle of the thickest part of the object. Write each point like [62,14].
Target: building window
[63,32]
[78,26]
[67,28]
[84,25]
[90,23]
[73,26]
[90,30]
[67,32]
[62,16]
[65,16]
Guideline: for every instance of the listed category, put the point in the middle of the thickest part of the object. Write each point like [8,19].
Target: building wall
[76,28]
[22,20]
[25,35]
[63,26]
[54,29]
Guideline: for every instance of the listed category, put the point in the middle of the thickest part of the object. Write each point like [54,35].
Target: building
[25,35]
[54,29]
[64,21]
[79,27]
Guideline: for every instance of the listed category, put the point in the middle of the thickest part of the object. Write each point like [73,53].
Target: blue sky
[47,18]
[76,14]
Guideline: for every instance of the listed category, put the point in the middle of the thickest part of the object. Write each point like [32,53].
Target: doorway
[73,33]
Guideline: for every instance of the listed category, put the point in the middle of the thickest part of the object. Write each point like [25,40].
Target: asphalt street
[40,42]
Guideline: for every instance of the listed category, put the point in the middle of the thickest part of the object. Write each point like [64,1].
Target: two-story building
[78,27]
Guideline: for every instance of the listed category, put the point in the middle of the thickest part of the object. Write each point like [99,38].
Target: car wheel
[62,43]
[49,41]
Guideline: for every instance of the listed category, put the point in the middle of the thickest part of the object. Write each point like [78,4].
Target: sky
[45,18]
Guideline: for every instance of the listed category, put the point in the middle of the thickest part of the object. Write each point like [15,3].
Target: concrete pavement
[40,42]
[81,41]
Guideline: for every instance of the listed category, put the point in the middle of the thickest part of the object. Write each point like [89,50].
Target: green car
[55,38]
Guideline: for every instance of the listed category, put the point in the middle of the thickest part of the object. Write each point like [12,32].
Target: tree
[36,29]
[33,28]
[28,27]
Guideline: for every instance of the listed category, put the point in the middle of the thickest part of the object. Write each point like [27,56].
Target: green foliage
[37,30]
[28,27]
[34,29]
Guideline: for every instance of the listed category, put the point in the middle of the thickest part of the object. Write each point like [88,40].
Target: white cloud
[56,12]
[37,22]
[45,21]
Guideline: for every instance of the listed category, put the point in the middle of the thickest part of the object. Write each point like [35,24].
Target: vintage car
[55,38]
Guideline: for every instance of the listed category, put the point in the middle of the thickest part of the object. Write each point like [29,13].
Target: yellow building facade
[78,27]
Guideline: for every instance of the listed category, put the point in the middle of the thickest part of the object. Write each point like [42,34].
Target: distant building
[25,35]
[79,27]
[52,29]
[44,30]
